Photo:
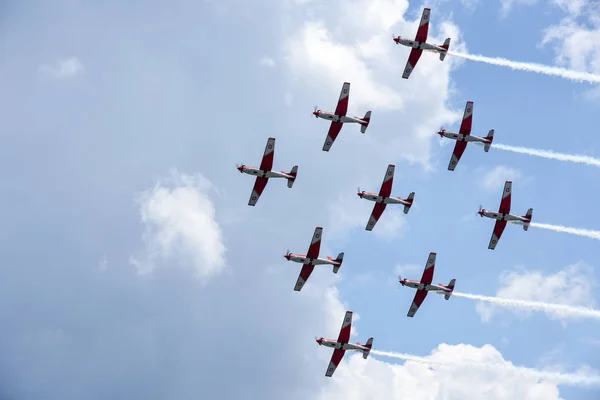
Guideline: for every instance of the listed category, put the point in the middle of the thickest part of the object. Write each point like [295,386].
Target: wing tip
[318,227]
[432,253]
[346,83]
[348,312]
[271,138]
[428,9]
[507,182]
[392,165]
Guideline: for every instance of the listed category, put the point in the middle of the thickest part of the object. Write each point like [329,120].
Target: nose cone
[397,40]
[320,341]
[402,282]
[441,133]
[480,212]
[240,168]
[316,113]
[287,256]
[360,194]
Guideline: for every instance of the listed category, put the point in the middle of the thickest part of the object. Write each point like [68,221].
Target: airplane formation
[383,197]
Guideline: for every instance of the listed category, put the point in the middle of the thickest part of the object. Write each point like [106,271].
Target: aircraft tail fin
[490,137]
[293,173]
[446,46]
[367,119]
[451,287]
[409,199]
[368,345]
[340,259]
[528,216]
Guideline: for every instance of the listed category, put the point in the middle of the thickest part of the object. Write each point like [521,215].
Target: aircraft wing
[388,180]
[498,229]
[267,161]
[315,244]
[423,26]
[427,277]
[342,105]
[459,149]
[259,186]
[336,358]
[467,121]
[375,215]
[305,272]
[344,336]
[334,131]
[413,59]
[417,301]
[506,195]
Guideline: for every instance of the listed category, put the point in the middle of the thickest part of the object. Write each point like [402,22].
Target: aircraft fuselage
[420,45]
[382,199]
[463,138]
[430,288]
[264,174]
[345,346]
[502,216]
[302,259]
[339,118]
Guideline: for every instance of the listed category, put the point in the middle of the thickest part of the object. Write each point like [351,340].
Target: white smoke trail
[550,154]
[573,379]
[525,66]
[582,312]
[565,229]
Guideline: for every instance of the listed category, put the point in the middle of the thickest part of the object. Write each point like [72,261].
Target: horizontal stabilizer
[368,345]
[451,287]
[367,119]
[339,259]
[490,137]
[410,200]
[528,216]
[446,46]
[293,173]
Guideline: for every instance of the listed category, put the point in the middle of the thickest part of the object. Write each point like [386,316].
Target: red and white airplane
[342,344]
[264,172]
[503,216]
[311,258]
[383,198]
[338,118]
[424,286]
[418,45]
[463,137]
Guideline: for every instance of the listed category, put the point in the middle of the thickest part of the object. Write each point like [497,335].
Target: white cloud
[357,378]
[63,68]
[180,224]
[267,62]
[574,286]
[360,50]
[507,5]
[494,179]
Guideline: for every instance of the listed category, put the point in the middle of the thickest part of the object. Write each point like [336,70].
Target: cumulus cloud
[494,179]
[180,220]
[574,286]
[63,68]
[357,378]
[360,51]
[267,62]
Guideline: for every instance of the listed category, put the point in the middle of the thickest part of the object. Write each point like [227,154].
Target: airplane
[419,44]
[503,216]
[311,258]
[383,198]
[264,172]
[424,286]
[341,345]
[338,118]
[463,137]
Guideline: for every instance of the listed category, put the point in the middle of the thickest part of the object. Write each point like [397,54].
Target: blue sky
[133,267]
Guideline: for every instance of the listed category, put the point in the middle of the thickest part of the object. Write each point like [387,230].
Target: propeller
[480,208]
[239,167]
[287,253]
[315,112]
